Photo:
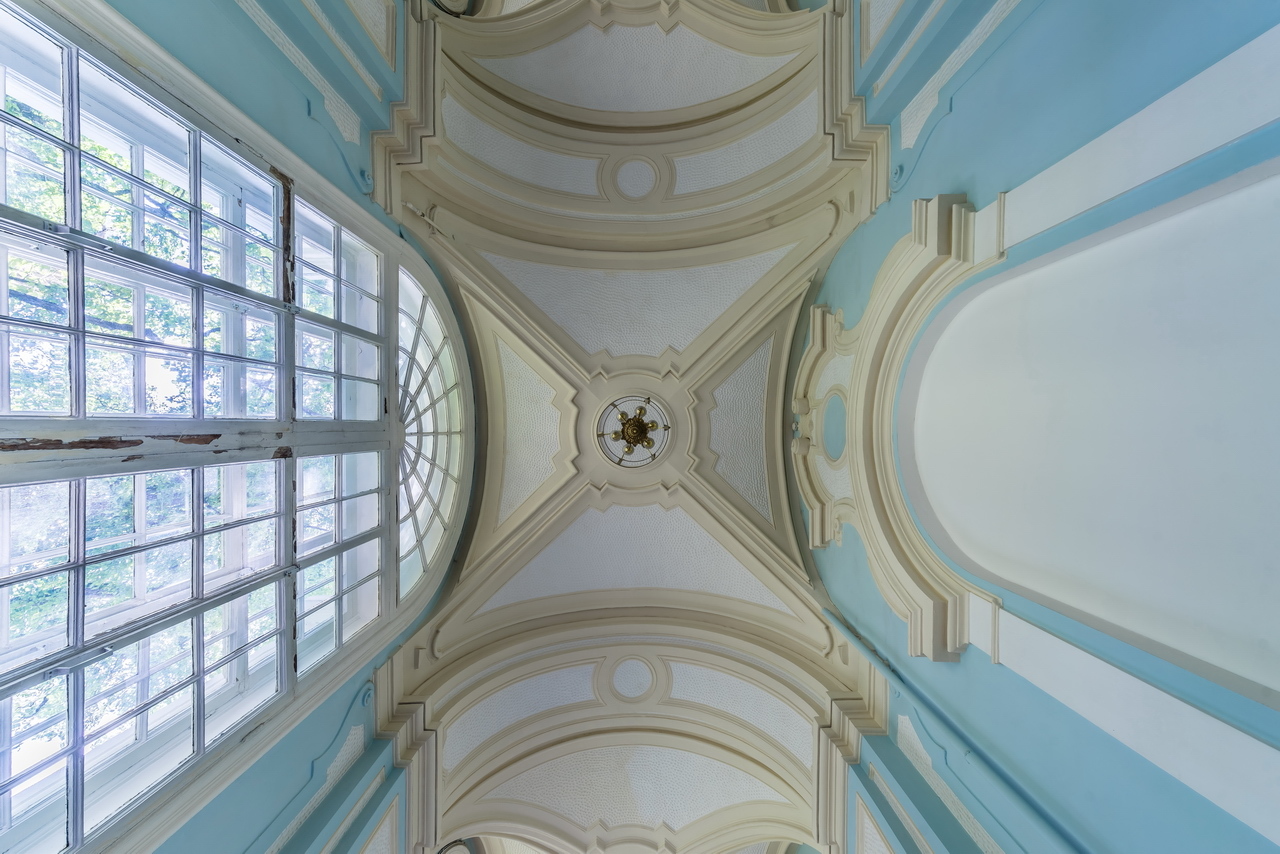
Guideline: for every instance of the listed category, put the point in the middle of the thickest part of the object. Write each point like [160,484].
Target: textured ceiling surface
[631,200]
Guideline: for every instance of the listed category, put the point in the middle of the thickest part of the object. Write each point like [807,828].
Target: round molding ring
[635,178]
[632,679]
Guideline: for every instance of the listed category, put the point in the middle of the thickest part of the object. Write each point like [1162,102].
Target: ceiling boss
[640,435]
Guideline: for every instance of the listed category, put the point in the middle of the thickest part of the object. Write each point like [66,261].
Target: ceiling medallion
[632,431]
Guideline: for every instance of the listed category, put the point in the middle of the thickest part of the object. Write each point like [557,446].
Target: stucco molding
[413,118]
[918,274]
[420,702]
[853,139]
[826,370]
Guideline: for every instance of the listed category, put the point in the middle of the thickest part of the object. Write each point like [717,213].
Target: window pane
[123,129]
[35,522]
[359,264]
[234,690]
[359,515]
[360,309]
[124,589]
[317,637]
[168,384]
[238,553]
[360,563]
[315,347]
[359,608]
[110,379]
[316,528]
[317,237]
[316,479]
[126,761]
[167,229]
[317,293]
[38,806]
[31,66]
[128,510]
[238,327]
[126,301]
[359,357]
[37,371]
[36,614]
[360,472]
[34,176]
[260,393]
[33,282]
[239,491]
[236,192]
[315,396]
[37,724]
[361,401]
[317,584]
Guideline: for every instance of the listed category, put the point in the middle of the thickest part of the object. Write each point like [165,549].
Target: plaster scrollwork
[867,361]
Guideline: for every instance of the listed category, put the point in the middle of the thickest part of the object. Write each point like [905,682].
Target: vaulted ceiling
[631,199]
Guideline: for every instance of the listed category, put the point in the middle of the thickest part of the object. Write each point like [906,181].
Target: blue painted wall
[1052,77]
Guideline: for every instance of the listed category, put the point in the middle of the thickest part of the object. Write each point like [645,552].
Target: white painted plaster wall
[1103,431]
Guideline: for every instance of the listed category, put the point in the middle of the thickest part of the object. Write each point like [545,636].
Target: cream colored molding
[649,709]
[378,18]
[519,447]
[870,838]
[771,48]
[343,47]
[338,109]
[413,118]
[918,274]
[852,139]
[642,154]
[876,16]
[826,370]
[385,836]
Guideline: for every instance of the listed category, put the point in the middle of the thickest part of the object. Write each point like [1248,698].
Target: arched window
[200,441]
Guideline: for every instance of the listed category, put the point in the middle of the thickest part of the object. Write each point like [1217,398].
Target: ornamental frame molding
[922,270]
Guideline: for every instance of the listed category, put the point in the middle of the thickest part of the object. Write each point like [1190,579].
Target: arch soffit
[762,51]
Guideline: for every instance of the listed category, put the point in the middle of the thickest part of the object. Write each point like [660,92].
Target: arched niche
[1097,432]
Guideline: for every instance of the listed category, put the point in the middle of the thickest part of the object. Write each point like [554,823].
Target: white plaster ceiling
[529,451]
[630,548]
[633,199]
[635,312]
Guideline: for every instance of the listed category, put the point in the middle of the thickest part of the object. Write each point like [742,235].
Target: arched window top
[432,411]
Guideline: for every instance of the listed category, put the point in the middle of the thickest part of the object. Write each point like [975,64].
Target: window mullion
[71,121]
[287,591]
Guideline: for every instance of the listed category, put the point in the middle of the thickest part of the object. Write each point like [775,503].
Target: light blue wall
[1053,76]
[218,41]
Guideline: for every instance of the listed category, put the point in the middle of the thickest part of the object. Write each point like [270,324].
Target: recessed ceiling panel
[635,312]
[623,548]
[646,785]
[634,69]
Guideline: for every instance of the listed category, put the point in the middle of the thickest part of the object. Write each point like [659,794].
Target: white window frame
[147,824]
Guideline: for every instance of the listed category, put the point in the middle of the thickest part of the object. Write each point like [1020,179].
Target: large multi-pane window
[150,296]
